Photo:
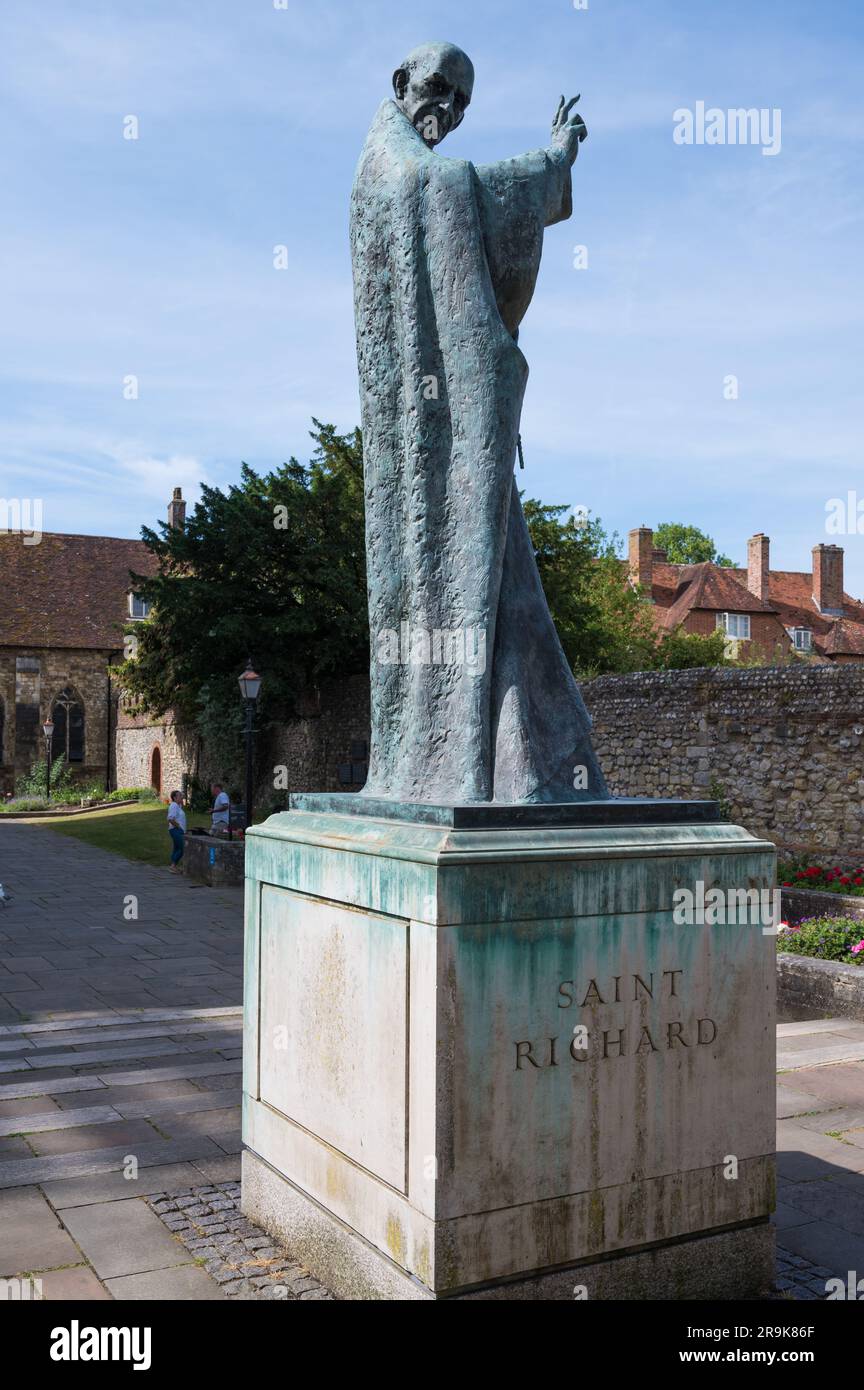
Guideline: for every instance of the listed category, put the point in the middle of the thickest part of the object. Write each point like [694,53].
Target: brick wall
[781,742]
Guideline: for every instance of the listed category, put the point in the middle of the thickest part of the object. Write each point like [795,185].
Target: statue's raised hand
[568,131]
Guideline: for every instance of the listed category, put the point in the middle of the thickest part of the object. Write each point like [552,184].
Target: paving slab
[182,1073]
[795,1145]
[232,1142]
[843,1118]
[78,1285]
[33,1123]
[816,1025]
[132,1134]
[22,1172]
[183,1105]
[826,1245]
[189,1282]
[37,1085]
[225,1169]
[837,1050]
[116,1096]
[786,1216]
[828,1201]
[791,1102]
[123,1237]
[32,1236]
[26,1105]
[14,1146]
[101,1056]
[219,1123]
[111,1187]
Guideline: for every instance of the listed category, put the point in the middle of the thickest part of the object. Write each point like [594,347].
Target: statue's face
[433,89]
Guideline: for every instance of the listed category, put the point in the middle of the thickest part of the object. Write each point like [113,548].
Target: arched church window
[67,712]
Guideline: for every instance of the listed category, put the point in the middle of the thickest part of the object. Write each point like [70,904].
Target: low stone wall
[798,903]
[782,746]
[210,859]
[65,811]
[823,987]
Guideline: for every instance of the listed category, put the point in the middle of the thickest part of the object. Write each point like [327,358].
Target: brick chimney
[641,557]
[757,565]
[176,510]
[828,578]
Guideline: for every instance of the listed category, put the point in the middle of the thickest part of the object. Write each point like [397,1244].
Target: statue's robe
[445,258]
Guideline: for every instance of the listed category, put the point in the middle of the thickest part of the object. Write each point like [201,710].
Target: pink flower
[859,947]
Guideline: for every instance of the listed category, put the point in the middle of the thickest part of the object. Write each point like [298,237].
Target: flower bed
[837,878]
[827,938]
[819,967]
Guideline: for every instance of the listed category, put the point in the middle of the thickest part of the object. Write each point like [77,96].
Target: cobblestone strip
[241,1257]
[799,1279]
[249,1264]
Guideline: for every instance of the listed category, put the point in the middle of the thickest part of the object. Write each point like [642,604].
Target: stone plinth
[488,1063]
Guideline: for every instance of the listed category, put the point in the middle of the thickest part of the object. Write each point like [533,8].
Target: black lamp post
[250,686]
[48,731]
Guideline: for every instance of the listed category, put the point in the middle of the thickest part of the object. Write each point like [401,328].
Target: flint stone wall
[782,746]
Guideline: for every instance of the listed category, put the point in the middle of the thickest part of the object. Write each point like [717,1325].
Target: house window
[138,607]
[802,639]
[735,625]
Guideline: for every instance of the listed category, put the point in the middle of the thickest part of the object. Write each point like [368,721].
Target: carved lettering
[611,1043]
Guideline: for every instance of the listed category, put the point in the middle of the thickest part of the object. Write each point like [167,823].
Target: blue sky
[154,257]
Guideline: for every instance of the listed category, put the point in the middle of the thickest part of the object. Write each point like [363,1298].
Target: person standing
[221,812]
[176,829]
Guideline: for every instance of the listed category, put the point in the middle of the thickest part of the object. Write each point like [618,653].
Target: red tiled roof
[67,591]
[678,589]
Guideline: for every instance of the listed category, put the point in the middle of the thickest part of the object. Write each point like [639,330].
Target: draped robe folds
[445,258]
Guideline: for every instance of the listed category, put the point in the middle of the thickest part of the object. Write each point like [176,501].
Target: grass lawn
[138,832]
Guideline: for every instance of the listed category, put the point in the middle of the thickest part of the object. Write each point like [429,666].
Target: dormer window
[138,607]
[802,639]
[735,625]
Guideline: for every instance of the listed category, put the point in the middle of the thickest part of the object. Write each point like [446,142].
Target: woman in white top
[176,829]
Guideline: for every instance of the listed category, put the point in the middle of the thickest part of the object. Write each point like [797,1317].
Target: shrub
[34,782]
[131,794]
[826,938]
[198,796]
[18,804]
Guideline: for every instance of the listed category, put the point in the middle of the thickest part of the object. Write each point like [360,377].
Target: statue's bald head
[433,87]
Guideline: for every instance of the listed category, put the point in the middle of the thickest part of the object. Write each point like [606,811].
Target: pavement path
[120,994]
[120,1033]
[820,1148]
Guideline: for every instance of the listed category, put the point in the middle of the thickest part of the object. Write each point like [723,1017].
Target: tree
[273,568]
[678,650]
[602,623]
[687,545]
